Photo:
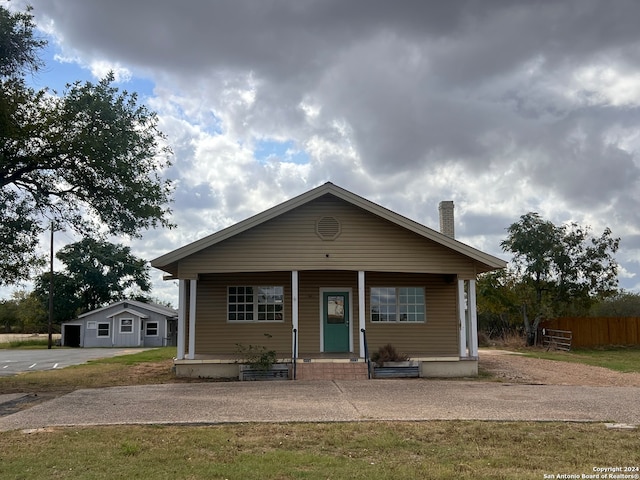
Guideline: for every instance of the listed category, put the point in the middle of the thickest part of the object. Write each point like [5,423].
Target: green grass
[39,343]
[621,359]
[153,355]
[365,450]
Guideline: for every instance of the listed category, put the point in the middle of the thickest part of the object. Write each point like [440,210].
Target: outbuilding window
[152,329]
[126,325]
[397,304]
[255,304]
[103,329]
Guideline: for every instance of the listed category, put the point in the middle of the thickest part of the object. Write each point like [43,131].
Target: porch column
[294,312]
[473,320]
[182,311]
[361,311]
[193,285]
[462,318]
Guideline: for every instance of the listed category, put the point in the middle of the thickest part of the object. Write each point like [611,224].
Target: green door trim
[336,335]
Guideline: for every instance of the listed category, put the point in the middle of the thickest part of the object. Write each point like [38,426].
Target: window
[126,325]
[255,304]
[103,329]
[391,304]
[152,329]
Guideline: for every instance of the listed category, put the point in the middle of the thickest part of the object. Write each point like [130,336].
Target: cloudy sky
[504,107]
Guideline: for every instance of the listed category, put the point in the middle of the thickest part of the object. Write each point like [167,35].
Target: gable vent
[328,228]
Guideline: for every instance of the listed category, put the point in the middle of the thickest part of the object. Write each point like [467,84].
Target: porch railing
[295,349]
[366,352]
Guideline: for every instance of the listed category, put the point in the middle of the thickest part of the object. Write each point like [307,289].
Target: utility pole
[51,292]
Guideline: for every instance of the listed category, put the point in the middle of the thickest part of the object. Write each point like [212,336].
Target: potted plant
[390,363]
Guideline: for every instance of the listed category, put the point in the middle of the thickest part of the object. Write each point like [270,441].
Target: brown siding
[438,336]
[214,335]
[290,242]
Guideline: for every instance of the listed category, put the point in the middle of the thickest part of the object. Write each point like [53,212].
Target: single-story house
[324,279]
[127,323]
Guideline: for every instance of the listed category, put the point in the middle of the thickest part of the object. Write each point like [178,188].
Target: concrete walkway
[321,401]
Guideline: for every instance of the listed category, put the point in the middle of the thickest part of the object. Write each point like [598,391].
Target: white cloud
[503,107]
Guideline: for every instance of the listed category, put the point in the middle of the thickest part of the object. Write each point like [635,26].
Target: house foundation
[326,369]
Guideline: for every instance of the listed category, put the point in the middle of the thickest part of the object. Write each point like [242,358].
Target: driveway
[335,401]
[13,362]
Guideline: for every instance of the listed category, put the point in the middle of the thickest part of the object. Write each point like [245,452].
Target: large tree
[91,157]
[100,272]
[565,267]
[67,302]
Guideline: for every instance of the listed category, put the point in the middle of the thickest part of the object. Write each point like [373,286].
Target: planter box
[408,369]
[279,371]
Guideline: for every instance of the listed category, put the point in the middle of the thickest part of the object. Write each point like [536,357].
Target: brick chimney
[446,218]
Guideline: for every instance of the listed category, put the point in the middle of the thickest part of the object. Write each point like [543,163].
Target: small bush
[34,343]
[484,340]
[388,353]
[258,356]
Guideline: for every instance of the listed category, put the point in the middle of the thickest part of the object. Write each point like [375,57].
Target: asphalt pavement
[330,401]
[14,361]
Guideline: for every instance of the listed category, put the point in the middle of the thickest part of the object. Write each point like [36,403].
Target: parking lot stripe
[33,365]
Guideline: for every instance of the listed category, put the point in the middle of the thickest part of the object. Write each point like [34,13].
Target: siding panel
[438,336]
[214,335]
[290,242]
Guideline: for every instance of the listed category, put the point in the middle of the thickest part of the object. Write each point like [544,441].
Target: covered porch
[302,340]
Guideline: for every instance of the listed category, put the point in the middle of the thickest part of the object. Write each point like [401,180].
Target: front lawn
[622,359]
[361,450]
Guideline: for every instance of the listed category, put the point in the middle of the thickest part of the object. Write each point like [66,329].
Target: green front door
[336,321]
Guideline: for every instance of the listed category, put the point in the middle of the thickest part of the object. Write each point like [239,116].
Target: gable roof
[167,261]
[152,307]
[130,311]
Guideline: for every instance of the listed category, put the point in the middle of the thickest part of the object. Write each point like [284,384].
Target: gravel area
[515,368]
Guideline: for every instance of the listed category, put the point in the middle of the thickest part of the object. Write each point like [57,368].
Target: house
[127,323]
[322,279]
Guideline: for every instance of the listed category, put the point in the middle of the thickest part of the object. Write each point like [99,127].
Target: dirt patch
[515,368]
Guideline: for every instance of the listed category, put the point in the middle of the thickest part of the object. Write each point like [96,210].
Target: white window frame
[121,325]
[146,328]
[260,297]
[398,293]
[108,324]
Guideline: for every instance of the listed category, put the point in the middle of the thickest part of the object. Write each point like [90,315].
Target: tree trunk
[531,332]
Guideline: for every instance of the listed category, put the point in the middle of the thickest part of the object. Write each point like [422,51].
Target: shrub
[388,353]
[258,356]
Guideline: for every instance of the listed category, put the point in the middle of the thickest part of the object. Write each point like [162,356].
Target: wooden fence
[557,339]
[597,331]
